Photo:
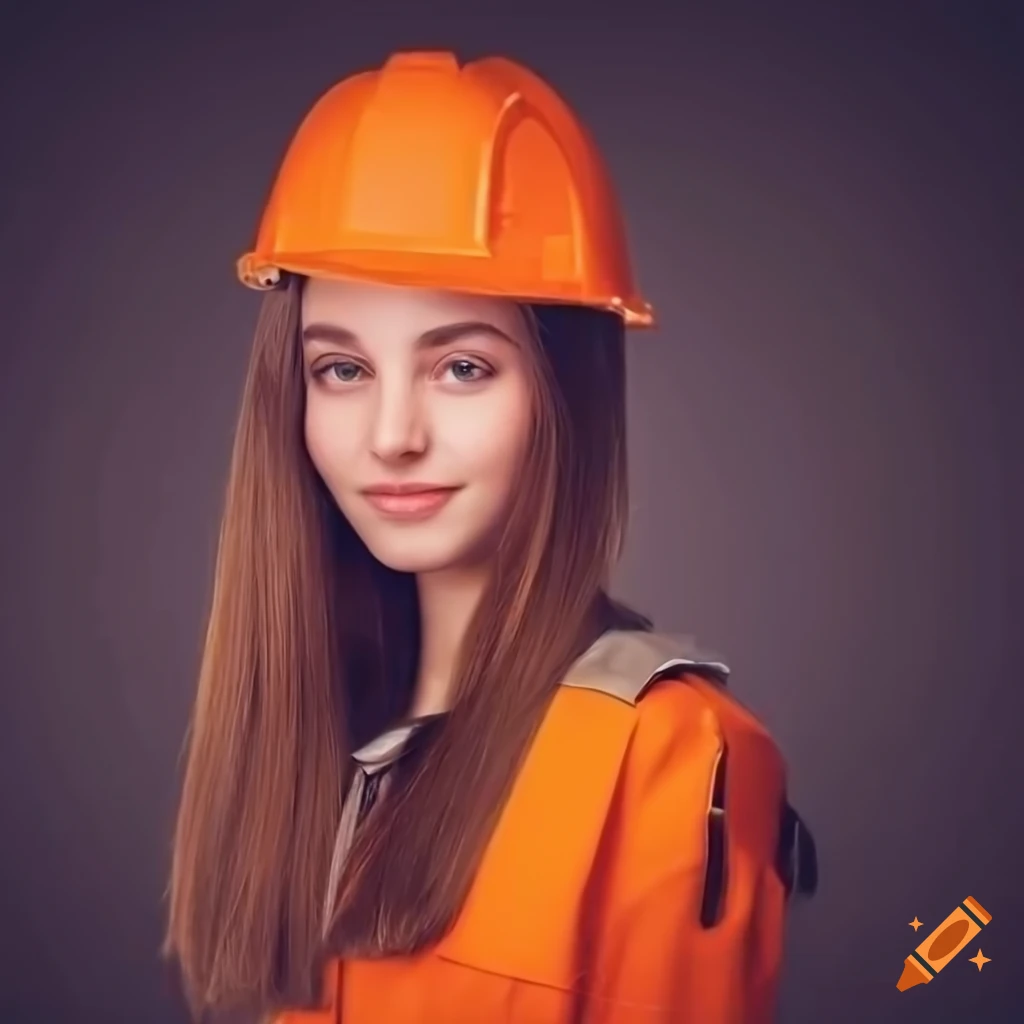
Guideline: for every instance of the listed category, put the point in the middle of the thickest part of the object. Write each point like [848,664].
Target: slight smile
[409,501]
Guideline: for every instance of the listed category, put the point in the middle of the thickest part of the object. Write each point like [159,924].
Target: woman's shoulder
[691,743]
[692,751]
[631,759]
[673,688]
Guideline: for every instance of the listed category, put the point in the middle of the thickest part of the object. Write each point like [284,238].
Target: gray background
[825,435]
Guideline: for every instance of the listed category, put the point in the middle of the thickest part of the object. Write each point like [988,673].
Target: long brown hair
[310,650]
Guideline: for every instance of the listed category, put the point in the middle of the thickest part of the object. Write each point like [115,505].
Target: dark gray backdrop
[824,207]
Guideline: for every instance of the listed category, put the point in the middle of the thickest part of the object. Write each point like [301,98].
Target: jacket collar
[624,663]
[389,746]
[620,663]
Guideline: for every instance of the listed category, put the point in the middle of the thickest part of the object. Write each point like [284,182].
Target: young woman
[435,773]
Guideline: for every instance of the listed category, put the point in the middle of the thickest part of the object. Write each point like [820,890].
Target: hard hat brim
[446,272]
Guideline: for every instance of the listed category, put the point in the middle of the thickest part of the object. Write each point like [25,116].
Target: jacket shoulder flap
[625,663]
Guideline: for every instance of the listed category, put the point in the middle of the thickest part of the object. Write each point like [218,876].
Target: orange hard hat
[476,178]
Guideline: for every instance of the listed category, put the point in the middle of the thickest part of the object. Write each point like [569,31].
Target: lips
[410,501]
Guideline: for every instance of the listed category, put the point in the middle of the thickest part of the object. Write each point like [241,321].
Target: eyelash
[322,371]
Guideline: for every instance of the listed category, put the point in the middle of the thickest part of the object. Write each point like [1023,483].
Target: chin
[415,552]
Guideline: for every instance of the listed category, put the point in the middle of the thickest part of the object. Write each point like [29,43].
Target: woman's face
[418,415]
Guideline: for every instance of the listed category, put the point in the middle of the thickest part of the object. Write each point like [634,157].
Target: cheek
[330,441]
[490,440]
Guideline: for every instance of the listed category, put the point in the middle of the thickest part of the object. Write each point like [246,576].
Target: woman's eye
[343,371]
[467,371]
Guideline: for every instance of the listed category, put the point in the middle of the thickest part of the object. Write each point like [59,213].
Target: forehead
[376,310]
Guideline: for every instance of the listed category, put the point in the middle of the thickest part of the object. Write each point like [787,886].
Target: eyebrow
[434,338]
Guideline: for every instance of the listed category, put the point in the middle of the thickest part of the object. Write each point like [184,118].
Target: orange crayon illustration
[943,944]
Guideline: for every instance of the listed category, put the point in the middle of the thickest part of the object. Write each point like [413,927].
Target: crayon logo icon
[943,944]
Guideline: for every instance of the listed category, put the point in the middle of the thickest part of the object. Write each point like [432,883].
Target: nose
[398,430]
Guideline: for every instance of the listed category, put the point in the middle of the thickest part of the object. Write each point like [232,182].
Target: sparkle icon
[915,924]
[981,959]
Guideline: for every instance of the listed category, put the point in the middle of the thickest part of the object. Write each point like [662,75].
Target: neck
[447,602]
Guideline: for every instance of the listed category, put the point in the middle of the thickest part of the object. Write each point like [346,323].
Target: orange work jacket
[633,877]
